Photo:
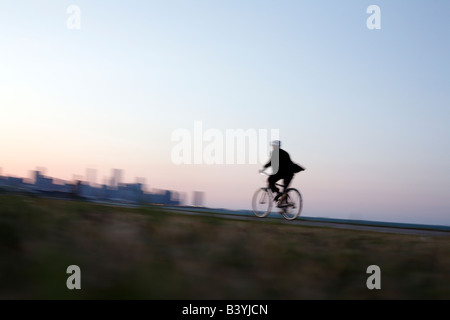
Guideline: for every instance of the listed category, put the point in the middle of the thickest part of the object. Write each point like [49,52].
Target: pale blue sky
[366,111]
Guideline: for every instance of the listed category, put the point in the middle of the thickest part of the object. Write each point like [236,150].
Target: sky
[365,111]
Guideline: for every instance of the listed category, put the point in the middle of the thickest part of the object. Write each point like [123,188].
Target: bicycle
[290,202]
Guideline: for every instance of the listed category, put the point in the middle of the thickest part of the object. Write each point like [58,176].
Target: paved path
[421,230]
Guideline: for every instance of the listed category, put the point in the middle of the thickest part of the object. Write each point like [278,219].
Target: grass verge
[147,253]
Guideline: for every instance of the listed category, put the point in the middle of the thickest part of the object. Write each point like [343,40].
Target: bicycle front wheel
[294,204]
[262,202]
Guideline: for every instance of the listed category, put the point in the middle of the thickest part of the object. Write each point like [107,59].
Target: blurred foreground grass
[147,253]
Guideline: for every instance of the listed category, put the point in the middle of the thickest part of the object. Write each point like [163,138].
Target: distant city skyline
[116,190]
[115,181]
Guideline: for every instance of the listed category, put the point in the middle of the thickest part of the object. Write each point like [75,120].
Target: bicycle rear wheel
[262,202]
[294,204]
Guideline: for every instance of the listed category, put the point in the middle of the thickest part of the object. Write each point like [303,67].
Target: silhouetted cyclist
[282,167]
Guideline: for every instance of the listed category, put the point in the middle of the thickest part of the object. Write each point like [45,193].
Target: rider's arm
[268,164]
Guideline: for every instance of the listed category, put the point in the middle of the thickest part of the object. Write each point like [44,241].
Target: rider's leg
[286,181]
[271,181]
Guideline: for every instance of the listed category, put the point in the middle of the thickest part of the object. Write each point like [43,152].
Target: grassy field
[146,253]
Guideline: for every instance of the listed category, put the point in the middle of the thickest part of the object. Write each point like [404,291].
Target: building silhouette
[116,177]
[198,198]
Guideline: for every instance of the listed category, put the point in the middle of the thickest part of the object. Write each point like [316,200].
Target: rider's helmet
[276,143]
